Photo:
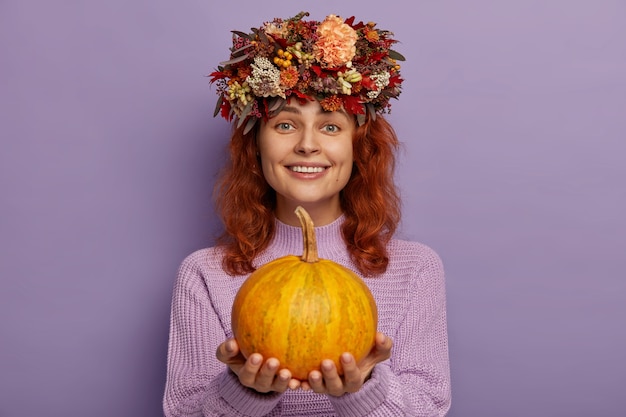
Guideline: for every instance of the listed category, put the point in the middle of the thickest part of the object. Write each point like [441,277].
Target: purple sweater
[410,296]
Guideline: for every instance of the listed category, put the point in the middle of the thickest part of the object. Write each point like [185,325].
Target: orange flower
[371,35]
[289,77]
[336,44]
[332,103]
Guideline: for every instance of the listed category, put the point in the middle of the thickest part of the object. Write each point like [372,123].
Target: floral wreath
[340,63]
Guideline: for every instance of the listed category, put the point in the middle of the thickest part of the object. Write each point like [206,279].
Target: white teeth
[307,169]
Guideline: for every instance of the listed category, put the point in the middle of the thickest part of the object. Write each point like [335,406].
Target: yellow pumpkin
[302,310]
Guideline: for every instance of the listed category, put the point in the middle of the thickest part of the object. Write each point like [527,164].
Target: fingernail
[230,346]
[346,358]
[255,360]
[327,365]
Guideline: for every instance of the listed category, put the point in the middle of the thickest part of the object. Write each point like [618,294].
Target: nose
[308,142]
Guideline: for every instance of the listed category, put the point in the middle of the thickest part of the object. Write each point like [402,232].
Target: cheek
[345,173]
[266,169]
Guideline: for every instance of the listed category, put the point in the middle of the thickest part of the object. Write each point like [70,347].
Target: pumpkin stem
[308,235]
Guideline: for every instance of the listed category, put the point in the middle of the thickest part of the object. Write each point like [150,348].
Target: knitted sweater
[410,297]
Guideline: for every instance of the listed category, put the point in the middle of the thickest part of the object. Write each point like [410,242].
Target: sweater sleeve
[197,384]
[415,381]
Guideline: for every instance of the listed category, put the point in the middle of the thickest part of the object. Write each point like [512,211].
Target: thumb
[227,350]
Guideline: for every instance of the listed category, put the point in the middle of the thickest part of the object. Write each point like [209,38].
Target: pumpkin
[302,310]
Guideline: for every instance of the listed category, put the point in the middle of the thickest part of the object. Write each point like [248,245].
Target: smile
[306,170]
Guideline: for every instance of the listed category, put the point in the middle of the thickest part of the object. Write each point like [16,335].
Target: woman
[307,99]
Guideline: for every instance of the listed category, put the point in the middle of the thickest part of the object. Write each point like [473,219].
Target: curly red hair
[370,200]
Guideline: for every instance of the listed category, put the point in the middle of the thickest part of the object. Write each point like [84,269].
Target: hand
[252,372]
[328,380]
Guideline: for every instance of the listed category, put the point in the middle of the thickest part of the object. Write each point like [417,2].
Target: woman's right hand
[254,372]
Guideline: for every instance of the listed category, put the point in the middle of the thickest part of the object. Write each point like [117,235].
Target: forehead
[310,108]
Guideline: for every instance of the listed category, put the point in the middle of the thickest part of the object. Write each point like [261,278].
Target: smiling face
[306,157]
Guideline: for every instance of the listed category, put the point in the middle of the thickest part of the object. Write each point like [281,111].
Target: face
[306,157]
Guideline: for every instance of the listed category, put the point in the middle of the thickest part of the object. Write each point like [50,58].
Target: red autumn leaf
[358,26]
[282,42]
[217,75]
[316,69]
[378,56]
[353,104]
[395,80]
[300,94]
[225,110]
[368,83]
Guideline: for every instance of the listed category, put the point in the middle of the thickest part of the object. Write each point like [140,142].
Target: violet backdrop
[513,118]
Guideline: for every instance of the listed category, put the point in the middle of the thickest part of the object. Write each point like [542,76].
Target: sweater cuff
[371,395]
[246,400]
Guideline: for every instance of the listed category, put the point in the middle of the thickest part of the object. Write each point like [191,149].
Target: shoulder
[415,255]
[200,264]
[202,259]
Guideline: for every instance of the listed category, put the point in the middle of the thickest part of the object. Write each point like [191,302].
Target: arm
[416,379]
[197,383]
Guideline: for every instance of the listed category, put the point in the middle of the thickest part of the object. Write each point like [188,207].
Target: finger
[380,352]
[383,346]
[316,382]
[352,376]
[295,384]
[332,380]
[248,373]
[281,383]
[227,350]
[267,373]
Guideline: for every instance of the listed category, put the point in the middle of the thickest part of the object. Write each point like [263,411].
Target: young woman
[307,99]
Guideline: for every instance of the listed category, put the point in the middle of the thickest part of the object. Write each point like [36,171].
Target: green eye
[331,128]
[283,126]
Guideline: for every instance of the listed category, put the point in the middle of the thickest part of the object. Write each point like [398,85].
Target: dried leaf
[218,106]
[263,37]
[275,104]
[243,48]
[234,60]
[396,55]
[371,110]
[244,114]
[242,34]
[249,124]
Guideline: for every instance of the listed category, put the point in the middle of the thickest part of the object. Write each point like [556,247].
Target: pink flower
[336,44]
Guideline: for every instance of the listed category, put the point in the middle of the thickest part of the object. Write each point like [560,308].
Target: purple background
[514,120]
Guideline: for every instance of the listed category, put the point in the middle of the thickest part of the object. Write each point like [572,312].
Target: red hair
[370,200]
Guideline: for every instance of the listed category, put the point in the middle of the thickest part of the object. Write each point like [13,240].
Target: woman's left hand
[328,381]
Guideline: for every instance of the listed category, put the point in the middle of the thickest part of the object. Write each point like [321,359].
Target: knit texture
[411,301]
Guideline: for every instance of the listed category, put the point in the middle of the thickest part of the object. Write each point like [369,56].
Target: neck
[321,214]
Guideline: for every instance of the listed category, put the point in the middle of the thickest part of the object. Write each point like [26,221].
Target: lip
[307,170]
